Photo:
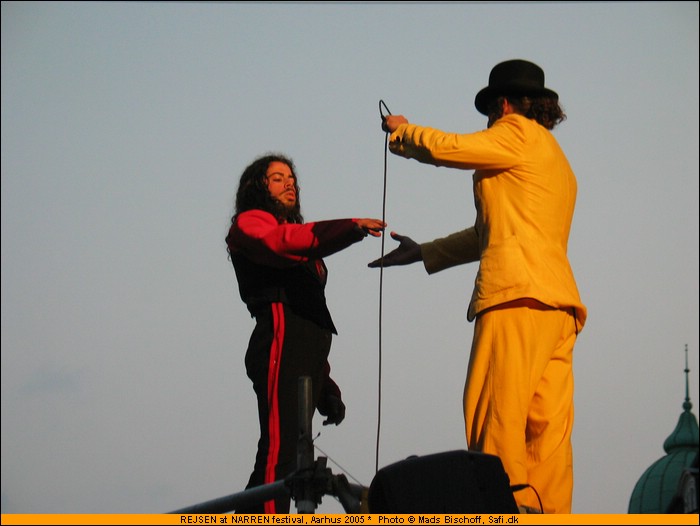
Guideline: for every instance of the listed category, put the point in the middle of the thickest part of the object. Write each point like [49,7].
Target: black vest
[301,287]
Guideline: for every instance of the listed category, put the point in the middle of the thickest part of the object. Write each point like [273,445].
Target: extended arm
[442,253]
[265,241]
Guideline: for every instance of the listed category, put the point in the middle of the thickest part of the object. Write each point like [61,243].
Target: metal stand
[306,486]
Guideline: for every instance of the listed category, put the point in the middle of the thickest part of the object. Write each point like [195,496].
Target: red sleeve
[261,238]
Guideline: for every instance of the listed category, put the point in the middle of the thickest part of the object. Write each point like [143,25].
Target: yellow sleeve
[456,249]
[499,147]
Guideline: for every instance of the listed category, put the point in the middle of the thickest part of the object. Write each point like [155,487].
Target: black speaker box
[449,482]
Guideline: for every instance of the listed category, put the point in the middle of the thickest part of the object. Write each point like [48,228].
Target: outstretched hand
[406,253]
[373,227]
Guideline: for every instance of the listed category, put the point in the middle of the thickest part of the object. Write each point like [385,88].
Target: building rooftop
[659,484]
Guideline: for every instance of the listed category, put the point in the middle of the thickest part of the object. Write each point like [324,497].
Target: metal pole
[239,500]
[306,486]
[304,490]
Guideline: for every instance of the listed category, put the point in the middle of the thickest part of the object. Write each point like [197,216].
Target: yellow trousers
[518,398]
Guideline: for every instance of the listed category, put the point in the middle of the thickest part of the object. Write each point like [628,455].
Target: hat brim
[482,99]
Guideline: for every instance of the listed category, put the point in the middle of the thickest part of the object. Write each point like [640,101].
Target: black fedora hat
[513,77]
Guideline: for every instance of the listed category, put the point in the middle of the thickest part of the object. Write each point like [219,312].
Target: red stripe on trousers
[273,424]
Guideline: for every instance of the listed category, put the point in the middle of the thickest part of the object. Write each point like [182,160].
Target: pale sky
[125,128]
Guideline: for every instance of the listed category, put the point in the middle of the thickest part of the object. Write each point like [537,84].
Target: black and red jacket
[282,262]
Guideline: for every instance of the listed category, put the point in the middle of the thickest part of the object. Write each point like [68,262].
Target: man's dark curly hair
[544,110]
[252,193]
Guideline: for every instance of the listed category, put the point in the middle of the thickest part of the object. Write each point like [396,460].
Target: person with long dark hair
[281,275]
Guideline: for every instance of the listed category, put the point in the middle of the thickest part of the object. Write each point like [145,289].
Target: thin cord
[520,487]
[381,287]
[334,462]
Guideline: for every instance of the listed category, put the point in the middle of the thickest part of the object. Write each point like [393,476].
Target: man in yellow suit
[518,396]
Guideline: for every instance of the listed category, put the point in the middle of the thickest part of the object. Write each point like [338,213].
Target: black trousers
[282,348]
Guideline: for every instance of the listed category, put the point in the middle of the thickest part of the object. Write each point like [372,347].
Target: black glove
[332,407]
[407,252]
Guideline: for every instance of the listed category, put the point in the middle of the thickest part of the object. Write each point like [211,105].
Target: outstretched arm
[259,235]
[442,253]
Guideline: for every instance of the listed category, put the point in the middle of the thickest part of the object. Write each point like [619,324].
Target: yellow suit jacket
[524,192]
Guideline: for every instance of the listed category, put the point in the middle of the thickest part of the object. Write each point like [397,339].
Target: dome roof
[658,485]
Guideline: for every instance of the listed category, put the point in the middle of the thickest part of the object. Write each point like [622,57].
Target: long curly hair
[544,110]
[252,193]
